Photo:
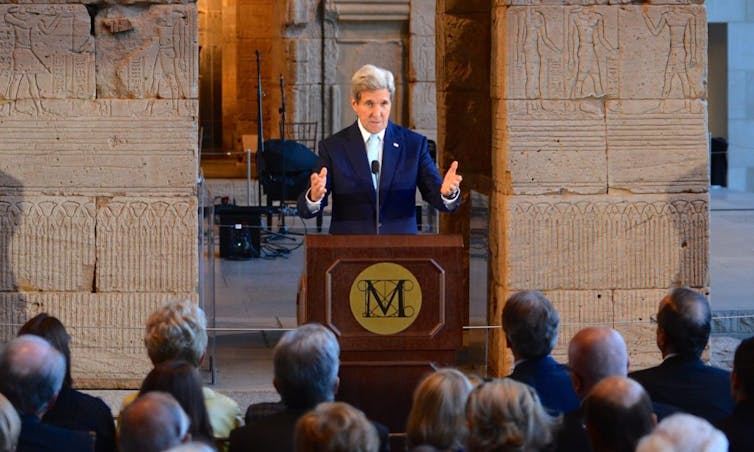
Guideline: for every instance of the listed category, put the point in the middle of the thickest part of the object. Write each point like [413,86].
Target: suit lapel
[391,150]
[356,152]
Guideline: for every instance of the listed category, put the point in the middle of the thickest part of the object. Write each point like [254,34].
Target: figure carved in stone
[27,66]
[532,39]
[587,32]
[170,59]
[682,29]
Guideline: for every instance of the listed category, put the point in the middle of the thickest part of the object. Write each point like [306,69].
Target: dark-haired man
[530,323]
[682,379]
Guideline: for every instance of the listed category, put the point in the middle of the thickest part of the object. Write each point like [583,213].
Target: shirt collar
[365,134]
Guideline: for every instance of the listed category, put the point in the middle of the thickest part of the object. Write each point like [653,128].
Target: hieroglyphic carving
[146,244]
[556,146]
[616,242]
[631,52]
[46,51]
[159,60]
[557,53]
[681,27]
[587,44]
[52,247]
[532,44]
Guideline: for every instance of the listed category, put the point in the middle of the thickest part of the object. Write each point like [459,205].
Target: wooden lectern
[396,304]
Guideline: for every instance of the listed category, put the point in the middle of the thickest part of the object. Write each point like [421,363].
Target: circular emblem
[385,298]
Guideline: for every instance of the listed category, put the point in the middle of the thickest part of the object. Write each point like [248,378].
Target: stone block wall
[98,167]
[599,163]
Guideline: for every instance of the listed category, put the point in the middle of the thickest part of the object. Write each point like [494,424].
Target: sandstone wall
[98,167]
[599,162]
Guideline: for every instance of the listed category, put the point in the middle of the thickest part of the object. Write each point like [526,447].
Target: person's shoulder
[642,374]
[342,134]
[212,397]
[128,400]
[397,130]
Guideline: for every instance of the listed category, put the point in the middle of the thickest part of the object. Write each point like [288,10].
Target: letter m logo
[385,298]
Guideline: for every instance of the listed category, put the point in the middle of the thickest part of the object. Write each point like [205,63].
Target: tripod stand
[283,182]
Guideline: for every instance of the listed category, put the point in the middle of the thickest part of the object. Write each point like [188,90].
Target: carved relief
[45,52]
[532,45]
[52,247]
[156,58]
[681,27]
[590,54]
[639,52]
[146,244]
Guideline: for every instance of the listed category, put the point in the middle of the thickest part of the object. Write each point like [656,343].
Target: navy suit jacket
[406,165]
[75,410]
[552,382]
[272,427]
[689,385]
[38,437]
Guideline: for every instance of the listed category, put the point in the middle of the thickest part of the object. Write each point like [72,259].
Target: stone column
[98,171]
[599,162]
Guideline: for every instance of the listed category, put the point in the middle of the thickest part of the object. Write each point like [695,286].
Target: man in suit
[374,152]
[617,398]
[595,354]
[306,363]
[530,323]
[31,375]
[153,422]
[682,379]
[738,426]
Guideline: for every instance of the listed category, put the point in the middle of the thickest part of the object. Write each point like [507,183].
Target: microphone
[376,172]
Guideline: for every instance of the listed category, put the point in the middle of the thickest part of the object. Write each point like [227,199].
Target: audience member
[683,432]
[181,380]
[10,426]
[152,423]
[739,427]
[335,427]
[438,416]
[178,330]
[31,375]
[192,446]
[73,409]
[506,415]
[594,353]
[530,323]
[682,379]
[618,413]
[306,362]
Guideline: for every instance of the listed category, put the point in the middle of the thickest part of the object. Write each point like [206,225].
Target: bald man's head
[152,423]
[31,374]
[595,353]
[618,398]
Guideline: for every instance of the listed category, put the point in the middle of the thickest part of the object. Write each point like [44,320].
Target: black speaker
[239,231]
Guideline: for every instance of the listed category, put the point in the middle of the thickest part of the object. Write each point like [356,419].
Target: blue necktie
[373,153]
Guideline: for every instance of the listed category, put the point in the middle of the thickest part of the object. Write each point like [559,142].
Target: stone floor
[254,300]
